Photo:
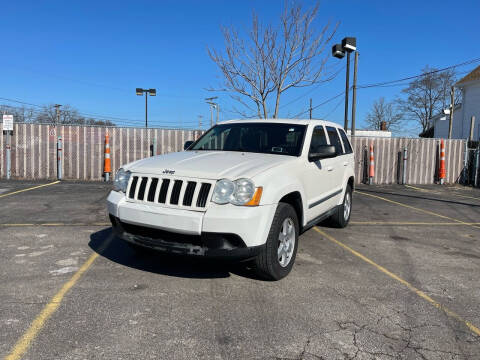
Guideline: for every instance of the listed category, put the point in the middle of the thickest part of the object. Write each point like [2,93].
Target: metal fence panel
[421,164]
[34,152]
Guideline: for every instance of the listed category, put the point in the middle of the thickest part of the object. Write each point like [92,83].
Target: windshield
[267,138]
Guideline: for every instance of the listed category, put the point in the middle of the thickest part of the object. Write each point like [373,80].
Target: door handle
[329,168]
[345,163]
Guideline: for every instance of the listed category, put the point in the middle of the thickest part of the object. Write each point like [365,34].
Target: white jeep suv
[246,189]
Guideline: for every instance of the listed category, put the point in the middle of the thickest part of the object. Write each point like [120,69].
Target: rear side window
[318,139]
[346,143]
[335,139]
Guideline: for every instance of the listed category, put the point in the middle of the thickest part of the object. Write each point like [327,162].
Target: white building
[470,106]
[372,133]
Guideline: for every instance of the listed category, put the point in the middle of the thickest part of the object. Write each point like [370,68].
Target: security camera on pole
[348,45]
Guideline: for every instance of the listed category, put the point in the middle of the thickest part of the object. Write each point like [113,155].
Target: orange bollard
[371,172]
[442,171]
[108,166]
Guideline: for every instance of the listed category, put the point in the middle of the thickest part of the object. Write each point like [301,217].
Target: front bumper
[216,245]
[220,231]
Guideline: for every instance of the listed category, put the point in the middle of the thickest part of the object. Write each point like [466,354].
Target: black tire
[338,219]
[267,263]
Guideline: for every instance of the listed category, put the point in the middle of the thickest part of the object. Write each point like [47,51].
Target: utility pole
[354,97]
[212,105]
[310,109]
[347,86]
[218,112]
[200,117]
[57,114]
[211,115]
[452,105]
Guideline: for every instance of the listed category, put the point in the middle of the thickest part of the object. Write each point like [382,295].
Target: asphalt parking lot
[400,282]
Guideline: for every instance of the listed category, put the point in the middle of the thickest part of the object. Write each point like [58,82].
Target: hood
[208,164]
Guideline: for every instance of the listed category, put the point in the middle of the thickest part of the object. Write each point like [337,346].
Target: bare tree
[20,114]
[383,112]
[427,95]
[68,116]
[271,60]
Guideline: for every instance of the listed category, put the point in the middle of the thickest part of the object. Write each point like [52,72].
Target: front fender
[275,187]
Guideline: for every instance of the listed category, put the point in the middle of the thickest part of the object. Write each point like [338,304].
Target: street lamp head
[337,51]
[349,44]
[139,91]
[152,92]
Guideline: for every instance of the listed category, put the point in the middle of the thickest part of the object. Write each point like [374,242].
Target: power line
[333,110]
[418,76]
[321,104]
[94,84]
[333,76]
[91,115]
[399,82]
[404,83]
[117,121]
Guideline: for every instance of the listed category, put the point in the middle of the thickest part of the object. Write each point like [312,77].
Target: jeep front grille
[168,191]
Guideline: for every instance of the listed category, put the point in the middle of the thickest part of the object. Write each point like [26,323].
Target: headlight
[244,190]
[223,191]
[121,180]
[238,192]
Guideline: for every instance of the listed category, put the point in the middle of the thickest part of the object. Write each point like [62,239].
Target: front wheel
[341,217]
[277,257]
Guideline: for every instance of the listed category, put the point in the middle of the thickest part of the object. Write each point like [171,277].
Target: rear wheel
[277,257]
[342,215]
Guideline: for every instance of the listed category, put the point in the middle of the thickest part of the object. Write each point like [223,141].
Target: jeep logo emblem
[167,171]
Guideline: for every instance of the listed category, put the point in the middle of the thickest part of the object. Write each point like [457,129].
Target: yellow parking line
[28,189]
[55,224]
[412,288]
[418,209]
[24,342]
[416,188]
[400,223]
[438,193]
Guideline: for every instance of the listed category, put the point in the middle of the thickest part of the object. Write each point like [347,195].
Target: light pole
[57,114]
[348,45]
[213,105]
[152,92]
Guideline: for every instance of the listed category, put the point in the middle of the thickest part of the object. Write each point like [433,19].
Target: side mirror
[322,152]
[187,144]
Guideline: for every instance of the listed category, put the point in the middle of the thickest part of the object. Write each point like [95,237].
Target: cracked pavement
[332,306]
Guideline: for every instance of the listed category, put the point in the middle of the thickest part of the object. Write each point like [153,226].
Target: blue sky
[92,55]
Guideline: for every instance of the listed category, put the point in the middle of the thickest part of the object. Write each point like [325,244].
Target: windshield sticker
[291,129]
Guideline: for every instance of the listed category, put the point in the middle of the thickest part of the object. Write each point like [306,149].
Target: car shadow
[156,262]
[421,197]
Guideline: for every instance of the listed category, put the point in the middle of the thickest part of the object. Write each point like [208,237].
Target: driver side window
[318,139]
